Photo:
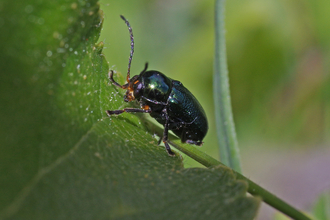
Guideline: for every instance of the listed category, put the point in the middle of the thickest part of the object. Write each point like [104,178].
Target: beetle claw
[198,143]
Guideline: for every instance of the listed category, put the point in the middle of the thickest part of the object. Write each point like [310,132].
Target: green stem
[228,146]
[225,124]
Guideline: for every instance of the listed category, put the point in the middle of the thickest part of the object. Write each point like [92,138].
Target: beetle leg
[165,138]
[118,112]
[160,140]
[152,101]
[115,83]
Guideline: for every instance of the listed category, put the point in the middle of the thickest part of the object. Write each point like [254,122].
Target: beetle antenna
[132,47]
[145,68]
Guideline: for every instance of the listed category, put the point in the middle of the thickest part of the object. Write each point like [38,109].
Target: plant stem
[227,141]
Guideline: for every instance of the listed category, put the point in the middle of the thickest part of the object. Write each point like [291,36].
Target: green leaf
[39,121]
[62,157]
[107,176]
[322,206]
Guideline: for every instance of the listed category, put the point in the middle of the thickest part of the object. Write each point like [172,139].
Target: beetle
[166,100]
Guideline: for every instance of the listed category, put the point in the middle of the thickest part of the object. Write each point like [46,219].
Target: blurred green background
[278,53]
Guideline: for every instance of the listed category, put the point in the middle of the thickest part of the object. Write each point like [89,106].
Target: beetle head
[135,86]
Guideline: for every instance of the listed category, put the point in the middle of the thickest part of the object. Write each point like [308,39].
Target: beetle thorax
[156,86]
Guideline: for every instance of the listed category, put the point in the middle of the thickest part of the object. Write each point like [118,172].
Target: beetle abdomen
[188,119]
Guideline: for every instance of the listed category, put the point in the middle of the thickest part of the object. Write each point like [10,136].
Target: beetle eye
[138,88]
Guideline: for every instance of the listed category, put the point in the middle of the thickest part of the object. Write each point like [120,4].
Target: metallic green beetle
[166,100]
